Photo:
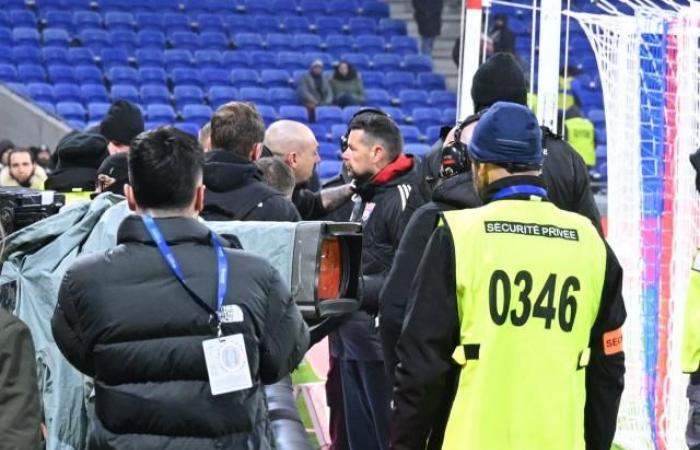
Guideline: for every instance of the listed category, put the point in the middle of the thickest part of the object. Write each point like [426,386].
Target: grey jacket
[353,87]
[307,91]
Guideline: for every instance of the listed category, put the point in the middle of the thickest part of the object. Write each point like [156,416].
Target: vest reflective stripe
[580,133]
[523,387]
[690,356]
[77,196]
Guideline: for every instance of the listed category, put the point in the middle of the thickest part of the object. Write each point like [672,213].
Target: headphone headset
[455,157]
[344,138]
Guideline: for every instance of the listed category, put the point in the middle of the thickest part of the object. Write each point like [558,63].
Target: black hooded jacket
[137,331]
[78,155]
[236,191]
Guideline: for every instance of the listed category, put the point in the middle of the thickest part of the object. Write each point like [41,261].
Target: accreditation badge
[369,207]
[227,364]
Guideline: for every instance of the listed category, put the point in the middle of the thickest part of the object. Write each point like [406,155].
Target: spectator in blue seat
[501,37]
[347,85]
[314,89]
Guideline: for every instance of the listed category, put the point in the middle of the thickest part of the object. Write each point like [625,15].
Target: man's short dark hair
[379,129]
[165,166]
[236,127]
[277,174]
[16,151]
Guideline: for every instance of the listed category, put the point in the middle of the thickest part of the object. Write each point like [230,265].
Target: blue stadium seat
[19,88]
[202,6]
[248,41]
[327,150]
[6,36]
[114,5]
[362,25]
[443,99]
[374,8]
[5,54]
[350,111]
[274,78]
[94,39]
[88,75]
[262,59]
[320,131]
[177,58]
[307,42]
[597,116]
[241,78]
[31,73]
[124,75]
[5,20]
[403,45]
[234,59]
[62,74]
[80,56]
[282,96]
[125,92]
[150,39]
[207,59]
[432,134]
[185,76]
[418,63]
[417,149]
[56,36]
[239,24]
[76,124]
[68,92]
[8,73]
[377,98]
[199,114]
[313,8]
[24,54]
[326,26]
[150,21]
[214,77]
[119,21]
[113,57]
[398,80]
[22,18]
[25,36]
[219,95]
[359,60]
[311,56]
[188,95]
[284,7]
[174,22]
[342,8]
[338,44]
[54,55]
[188,127]
[214,40]
[86,20]
[339,130]
[291,60]
[211,22]
[395,113]
[184,40]
[160,113]
[386,62]
[449,116]
[41,92]
[293,24]
[411,134]
[266,23]
[293,112]
[97,111]
[425,117]
[327,169]
[154,93]
[70,110]
[150,57]
[254,94]
[373,79]
[73,4]
[48,107]
[123,39]
[368,43]
[329,115]
[392,27]
[94,93]
[413,98]
[279,42]
[431,81]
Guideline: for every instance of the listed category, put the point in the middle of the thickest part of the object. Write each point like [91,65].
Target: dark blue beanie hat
[508,133]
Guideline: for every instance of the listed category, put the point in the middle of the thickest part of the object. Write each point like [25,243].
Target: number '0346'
[552,302]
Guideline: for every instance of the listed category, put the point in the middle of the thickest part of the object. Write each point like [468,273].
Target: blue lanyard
[520,189]
[169,256]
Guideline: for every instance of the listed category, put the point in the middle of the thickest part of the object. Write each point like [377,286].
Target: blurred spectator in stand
[43,157]
[22,170]
[502,39]
[428,15]
[122,123]
[314,89]
[205,137]
[580,134]
[5,146]
[277,174]
[347,85]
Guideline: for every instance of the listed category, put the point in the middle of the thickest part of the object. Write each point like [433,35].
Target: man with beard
[22,170]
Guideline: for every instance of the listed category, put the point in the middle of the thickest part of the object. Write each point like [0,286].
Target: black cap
[499,79]
[122,123]
[116,167]
[78,149]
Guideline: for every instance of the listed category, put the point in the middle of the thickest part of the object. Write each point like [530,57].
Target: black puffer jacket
[236,191]
[124,319]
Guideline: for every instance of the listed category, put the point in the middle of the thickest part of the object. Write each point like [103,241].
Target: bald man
[295,144]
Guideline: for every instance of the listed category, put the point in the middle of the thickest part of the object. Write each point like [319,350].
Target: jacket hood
[79,149]
[457,191]
[225,171]
[392,175]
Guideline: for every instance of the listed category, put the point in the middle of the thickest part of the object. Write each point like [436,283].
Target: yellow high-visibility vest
[690,350]
[580,133]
